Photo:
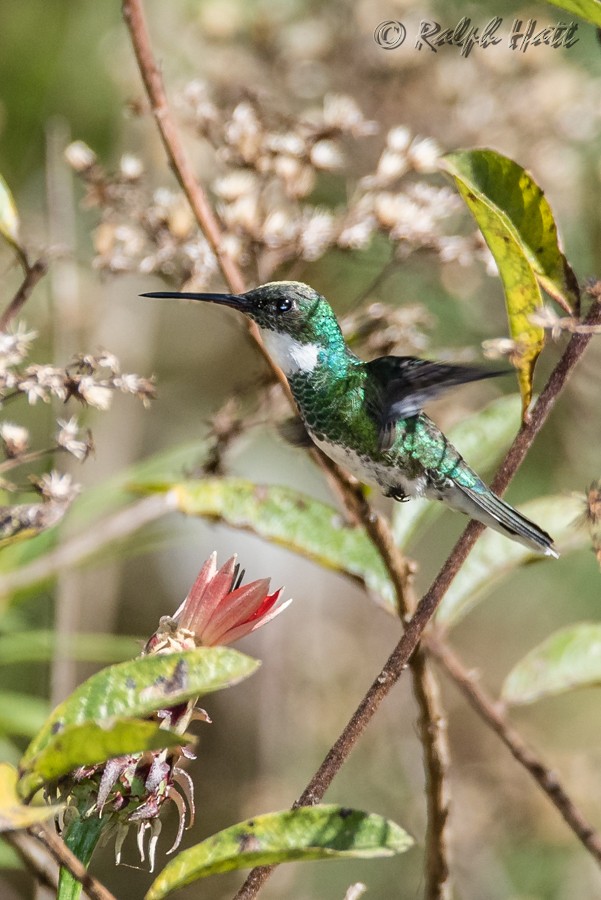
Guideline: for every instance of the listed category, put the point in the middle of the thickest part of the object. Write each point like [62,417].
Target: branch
[400,570]
[490,712]
[33,274]
[67,860]
[400,656]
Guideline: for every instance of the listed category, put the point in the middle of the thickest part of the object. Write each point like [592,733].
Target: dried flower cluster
[130,791]
[266,170]
[90,379]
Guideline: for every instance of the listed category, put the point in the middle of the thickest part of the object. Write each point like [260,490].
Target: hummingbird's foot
[397,493]
[293,431]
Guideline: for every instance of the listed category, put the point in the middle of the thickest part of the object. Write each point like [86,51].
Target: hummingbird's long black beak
[236,301]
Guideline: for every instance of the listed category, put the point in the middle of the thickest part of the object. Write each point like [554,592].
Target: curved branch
[33,274]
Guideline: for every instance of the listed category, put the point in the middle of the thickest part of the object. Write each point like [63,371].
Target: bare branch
[65,858]
[492,715]
[33,274]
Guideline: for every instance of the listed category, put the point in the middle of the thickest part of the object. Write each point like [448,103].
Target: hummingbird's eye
[284,304]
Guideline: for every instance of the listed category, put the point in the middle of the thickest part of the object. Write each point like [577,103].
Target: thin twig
[492,715]
[34,857]
[87,544]
[33,274]
[65,858]
[400,656]
[400,569]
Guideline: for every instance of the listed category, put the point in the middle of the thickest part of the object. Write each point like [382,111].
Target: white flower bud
[326,155]
[15,439]
[79,156]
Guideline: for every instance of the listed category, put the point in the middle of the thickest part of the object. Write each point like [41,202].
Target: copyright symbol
[390,34]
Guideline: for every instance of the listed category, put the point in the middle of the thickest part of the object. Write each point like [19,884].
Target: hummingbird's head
[296,323]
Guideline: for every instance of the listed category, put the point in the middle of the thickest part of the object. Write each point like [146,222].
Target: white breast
[371,472]
[290,355]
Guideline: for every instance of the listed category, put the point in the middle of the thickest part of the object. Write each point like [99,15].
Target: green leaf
[90,744]
[21,714]
[287,517]
[318,832]
[518,226]
[42,646]
[141,686]
[496,556]
[13,813]
[586,9]
[568,659]
[9,218]
[481,439]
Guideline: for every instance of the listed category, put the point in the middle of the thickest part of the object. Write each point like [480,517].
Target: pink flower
[220,610]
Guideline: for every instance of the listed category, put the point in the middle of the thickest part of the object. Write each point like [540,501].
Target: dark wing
[400,386]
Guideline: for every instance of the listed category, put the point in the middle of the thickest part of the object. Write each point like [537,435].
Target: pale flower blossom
[131,167]
[14,345]
[68,438]
[15,439]
[316,234]
[327,155]
[79,156]
[424,154]
[398,139]
[56,487]
[94,394]
[341,111]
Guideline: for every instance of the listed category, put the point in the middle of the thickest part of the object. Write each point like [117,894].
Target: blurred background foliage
[67,73]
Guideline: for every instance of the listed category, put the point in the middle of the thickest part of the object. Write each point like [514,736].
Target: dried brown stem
[34,858]
[33,274]
[492,715]
[65,858]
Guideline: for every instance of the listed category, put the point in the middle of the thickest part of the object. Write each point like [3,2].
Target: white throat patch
[290,355]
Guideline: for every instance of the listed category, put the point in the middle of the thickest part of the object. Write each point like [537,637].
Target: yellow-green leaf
[141,686]
[316,832]
[9,217]
[586,9]
[568,659]
[287,517]
[13,813]
[518,226]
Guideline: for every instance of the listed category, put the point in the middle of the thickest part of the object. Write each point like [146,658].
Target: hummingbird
[368,416]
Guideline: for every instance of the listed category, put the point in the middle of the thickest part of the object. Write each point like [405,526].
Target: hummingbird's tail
[486,507]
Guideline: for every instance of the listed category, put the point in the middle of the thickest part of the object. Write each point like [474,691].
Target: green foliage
[518,225]
[9,218]
[308,833]
[286,517]
[42,646]
[14,814]
[586,9]
[141,686]
[568,659]
[21,714]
